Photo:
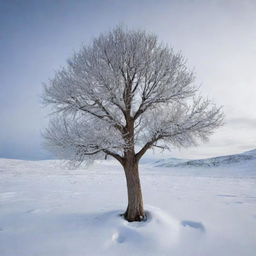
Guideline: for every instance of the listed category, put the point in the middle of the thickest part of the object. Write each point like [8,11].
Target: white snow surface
[49,210]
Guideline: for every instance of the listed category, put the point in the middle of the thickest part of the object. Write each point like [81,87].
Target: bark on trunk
[135,210]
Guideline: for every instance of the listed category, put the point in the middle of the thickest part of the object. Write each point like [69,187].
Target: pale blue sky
[218,38]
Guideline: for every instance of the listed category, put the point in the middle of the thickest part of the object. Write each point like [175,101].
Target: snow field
[47,210]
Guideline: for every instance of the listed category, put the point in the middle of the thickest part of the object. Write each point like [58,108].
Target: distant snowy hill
[243,158]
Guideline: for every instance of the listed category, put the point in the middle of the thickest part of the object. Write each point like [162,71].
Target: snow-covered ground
[48,210]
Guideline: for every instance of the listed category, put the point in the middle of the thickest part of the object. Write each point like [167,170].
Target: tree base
[137,217]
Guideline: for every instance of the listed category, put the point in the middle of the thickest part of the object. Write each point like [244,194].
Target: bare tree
[122,95]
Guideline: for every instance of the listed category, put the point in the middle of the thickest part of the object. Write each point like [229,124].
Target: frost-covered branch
[83,139]
[180,125]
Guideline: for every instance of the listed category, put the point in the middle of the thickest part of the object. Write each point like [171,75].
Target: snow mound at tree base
[146,233]
[158,235]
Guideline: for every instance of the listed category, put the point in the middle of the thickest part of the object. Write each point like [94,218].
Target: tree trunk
[135,210]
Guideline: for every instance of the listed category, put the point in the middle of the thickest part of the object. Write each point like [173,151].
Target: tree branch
[116,156]
[146,147]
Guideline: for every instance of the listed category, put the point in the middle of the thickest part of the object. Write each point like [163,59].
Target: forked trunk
[135,210]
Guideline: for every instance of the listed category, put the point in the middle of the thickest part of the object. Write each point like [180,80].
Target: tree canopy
[124,90]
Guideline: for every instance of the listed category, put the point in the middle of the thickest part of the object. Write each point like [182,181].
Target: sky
[218,38]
